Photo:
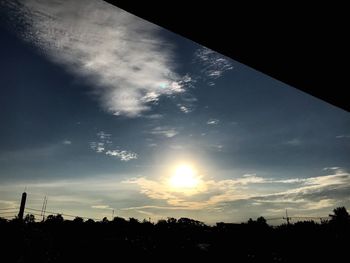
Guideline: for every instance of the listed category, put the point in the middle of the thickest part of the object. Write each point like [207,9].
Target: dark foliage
[59,240]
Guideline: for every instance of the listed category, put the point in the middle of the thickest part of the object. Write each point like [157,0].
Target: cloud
[101,207]
[331,168]
[122,155]
[293,142]
[154,116]
[99,147]
[213,122]
[103,136]
[208,192]
[105,143]
[184,109]
[312,193]
[213,64]
[67,142]
[343,136]
[164,131]
[123,56]
[8,204]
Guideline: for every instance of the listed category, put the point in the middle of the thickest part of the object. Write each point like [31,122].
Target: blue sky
[99,108]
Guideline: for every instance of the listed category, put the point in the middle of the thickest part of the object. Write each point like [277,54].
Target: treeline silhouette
[58,240]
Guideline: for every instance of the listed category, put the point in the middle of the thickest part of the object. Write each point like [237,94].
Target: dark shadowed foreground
[59,240]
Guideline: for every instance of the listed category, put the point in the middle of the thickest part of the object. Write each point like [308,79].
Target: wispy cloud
[122,155]
[66,142]
[154,116]
[331,168]
[343,136]
[101,207]
[166,131]
[206,194]
[213,122]
[293,142]
[123,56]
[103,136]
[213,64]
[307,193]
[99,147]
[184,109]
[104,144]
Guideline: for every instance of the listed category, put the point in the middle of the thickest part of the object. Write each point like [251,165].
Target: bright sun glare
[184,177]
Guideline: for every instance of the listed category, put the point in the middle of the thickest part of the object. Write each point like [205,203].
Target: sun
[184,177]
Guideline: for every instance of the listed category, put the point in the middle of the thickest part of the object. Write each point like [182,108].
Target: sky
[102,111]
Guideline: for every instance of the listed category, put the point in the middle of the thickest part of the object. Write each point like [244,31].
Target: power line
[51,212]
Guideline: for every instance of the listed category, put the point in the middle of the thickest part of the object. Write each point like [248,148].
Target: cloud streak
[213,122]
[123,56]
[306,193]
[165,131]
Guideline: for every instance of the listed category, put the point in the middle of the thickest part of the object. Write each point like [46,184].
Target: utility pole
[287,218]
[44,211]
[23,205]
[43,208]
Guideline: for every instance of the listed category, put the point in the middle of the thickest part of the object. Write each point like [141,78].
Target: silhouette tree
[261,221]
[90,221]
[78,220]
[171,220]
[119,220]
[340,216]
[55,218]
[29,218]
[105,220]
[189,222]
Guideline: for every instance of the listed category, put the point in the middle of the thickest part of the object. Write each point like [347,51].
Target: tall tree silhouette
[340,215]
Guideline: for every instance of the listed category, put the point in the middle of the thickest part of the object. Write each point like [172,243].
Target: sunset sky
[101,111]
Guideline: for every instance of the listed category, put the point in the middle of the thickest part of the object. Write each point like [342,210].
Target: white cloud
[312,193]
[307,194]
[67,142]
[164,131]
[213,64]
[213,122]
[122,155]
[122,55]
[101,207]
[99,147]
[343,136]
[331,168]
[208,192]
[184,109]
[104,144]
